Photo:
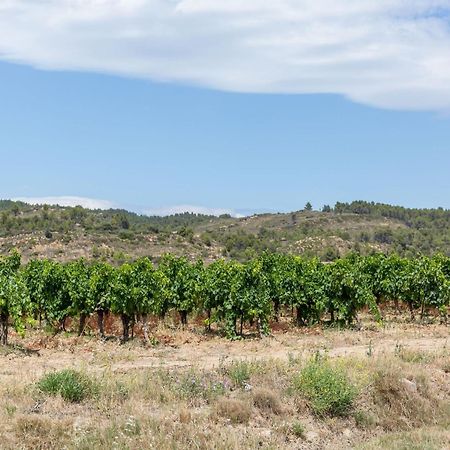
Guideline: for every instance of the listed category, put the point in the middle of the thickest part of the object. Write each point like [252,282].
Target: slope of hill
[65,233]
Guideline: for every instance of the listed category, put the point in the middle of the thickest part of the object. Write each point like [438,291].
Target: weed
[328,389]
[10,409]
[421,439]
[239,372]
[298,430]
[293,360]
[400,402]
[42,432]
[131,427]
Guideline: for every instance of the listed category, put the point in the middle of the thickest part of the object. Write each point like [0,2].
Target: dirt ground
[174,348]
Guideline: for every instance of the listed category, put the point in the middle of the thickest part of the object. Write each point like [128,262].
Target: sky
[162,106]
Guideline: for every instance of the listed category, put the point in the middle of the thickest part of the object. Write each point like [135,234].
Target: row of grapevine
[225,293]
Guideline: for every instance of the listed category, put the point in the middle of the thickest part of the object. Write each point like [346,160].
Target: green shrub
[327,389]
[73,386]
[298,430]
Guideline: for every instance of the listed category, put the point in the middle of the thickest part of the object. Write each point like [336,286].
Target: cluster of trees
[426,231]
[227,293]
[414,217]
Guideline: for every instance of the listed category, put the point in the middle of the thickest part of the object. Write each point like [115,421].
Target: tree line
[226,293]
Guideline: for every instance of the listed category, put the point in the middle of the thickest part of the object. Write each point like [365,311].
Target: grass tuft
[236,411]
[71,385]
[267,401]
[298,430]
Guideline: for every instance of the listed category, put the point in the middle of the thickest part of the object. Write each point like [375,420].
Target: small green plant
[73,386]
[10,409]
[328,389]
[363,419]
[239,372]
[298,430]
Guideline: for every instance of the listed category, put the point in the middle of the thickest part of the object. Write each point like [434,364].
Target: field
[258,350]
[375,387]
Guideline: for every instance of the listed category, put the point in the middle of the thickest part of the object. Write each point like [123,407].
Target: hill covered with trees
[66,233]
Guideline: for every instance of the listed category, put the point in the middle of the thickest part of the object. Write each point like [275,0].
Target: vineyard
[225,294]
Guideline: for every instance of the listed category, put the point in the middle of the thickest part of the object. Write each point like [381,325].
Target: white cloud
[387,53]
[91,203]
[94,203]
[179,209]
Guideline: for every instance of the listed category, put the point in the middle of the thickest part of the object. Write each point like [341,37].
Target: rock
[410,386]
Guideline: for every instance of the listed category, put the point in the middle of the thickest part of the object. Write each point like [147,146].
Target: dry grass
[422,439]
[37,432]
[267,401]
[232,410]
[159,398]
[402,397]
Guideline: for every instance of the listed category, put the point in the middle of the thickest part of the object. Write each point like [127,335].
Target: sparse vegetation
[186,396]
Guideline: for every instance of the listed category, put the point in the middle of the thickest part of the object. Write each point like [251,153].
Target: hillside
[65,233]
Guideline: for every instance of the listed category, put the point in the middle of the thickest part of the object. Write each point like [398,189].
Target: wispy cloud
[91,203]
[178,209]
[387,53]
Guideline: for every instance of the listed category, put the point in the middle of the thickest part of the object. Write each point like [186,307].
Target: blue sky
[209,144]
